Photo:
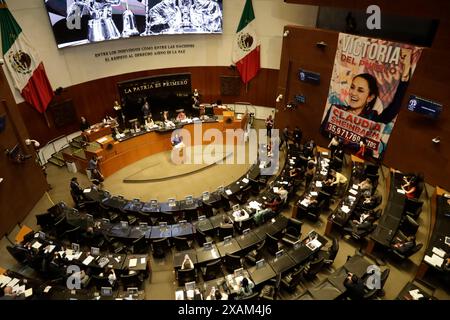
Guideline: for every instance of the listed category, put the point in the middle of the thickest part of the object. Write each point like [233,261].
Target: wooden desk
[124,153]
[92,135]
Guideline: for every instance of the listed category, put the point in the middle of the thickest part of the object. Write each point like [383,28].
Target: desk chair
[225,232]
[232,262]
[115,245]
[271,244]
[181,243]
[293,279]
[292,233]
[139,245]
[20,254]
[131,280]
[60,227]
[131,219]
[201,238]
[270,291]
[405,256]
[413,208]
[146,217]
[159,248]
[331,253]
[106,213]
[186,275]
[243,225]
[73,235]
[45,221]
[313,268]
[212,270]
[98,282]
[255,254]
[409,226]
[168,217]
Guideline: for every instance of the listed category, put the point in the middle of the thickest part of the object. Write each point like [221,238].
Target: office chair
[371,169]
[413,208]
[115,245]
[255,254]
[73,235]
[292,233]
[331,253]
[106,213]
[145,217]
[212,270]
[313,268]
[225,232]
[243,225]
[378,292]
[181,243]
[270,291]
[186,275]
[19,253]
[232,262]
[45,221]
[60,227]
[293,279]
[98,282]
[131,280]
[159,247]
[271,244]
[409,226]
[139,245]
[406,255]
[201,238]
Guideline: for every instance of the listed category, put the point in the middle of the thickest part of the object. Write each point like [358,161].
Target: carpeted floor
[162,284]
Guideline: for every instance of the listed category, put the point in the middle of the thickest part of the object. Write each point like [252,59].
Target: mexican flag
[246,48]
[26,70]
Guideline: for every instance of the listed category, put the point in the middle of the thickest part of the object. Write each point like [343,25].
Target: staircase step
[57,162]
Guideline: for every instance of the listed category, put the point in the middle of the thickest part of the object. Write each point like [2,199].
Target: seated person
[275,204]
[76,191]
[187,263]
[110,274]
[309,201]
[366,187]
[240,215]
[295,173]
[404,245]
[245,288]
[371,202]
[283,193]
[9,295]
[84,278]
[410,187]
[310,172]
[263,215]
[167,122]
[355,287]
[149,123]
[226,222]
[181,115]
[338,179]
[446,265]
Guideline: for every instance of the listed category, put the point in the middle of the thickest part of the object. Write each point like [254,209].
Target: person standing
[334,144]
[269,126]
[145,109]
[285,138]
[84,125]
[297,136]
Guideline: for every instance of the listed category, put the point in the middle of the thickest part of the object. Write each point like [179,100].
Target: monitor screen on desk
[246,231]
[106,291]
[227,239]
[143,225]
[200,218]
[205,196]
[172,202]
[76,247]
[235,207]
[182,221]
[163,224]
[297,244]
[95,251]
[124,224]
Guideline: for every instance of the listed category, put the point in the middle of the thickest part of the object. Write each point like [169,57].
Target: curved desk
[116,155]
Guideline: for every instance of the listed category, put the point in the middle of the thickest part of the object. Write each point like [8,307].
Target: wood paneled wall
[410,147]
[94,99]
[23,184]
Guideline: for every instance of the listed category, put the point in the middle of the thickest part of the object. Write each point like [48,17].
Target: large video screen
[77,22]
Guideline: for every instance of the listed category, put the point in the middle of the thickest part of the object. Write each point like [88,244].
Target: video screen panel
[77,22]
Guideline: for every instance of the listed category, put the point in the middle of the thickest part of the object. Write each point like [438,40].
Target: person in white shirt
[283,193]
[240,215]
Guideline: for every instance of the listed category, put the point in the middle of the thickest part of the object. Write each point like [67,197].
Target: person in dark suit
[9,295]
[76,191]
[404,246]
[226,222]
[355,287]
[297,135]
[84,124]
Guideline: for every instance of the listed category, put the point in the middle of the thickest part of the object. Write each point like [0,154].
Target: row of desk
[389,222]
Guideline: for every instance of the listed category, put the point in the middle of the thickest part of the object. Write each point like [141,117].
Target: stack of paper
[319,184]
[245,180]
[434,260]
[88,260]
[400,191]
[439,252]
[132,263]
[345,209]
[4,280]
[353,192]
[415,294]
[36,245]
[228,192]
[143,260]
[179,295]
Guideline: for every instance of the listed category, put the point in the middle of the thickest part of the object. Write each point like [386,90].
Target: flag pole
[46,119]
